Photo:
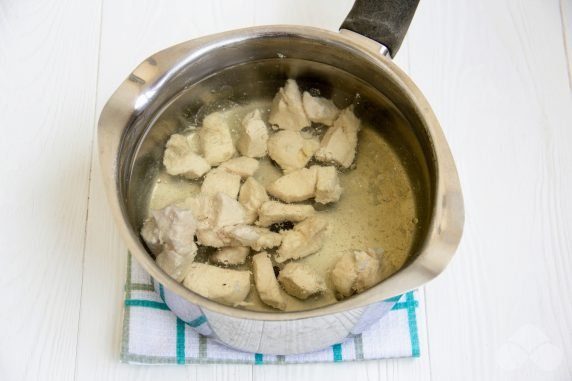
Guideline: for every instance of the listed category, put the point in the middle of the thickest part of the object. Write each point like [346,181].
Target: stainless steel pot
[357,60]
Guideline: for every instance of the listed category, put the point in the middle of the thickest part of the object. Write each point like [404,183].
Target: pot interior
[388,194]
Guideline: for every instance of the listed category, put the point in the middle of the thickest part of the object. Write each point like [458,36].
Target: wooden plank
[496,75]
[48,63]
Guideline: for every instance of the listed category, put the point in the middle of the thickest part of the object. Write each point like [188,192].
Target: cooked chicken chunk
[252,196]
[339,143]
[273,211]
[212,237]
[222,285]
[290,150]
[227,211]
[306,238]
[317,181]
[171,228]
[300,280]
[319,110]
[180,159]
[152,236]
[202,208]
[219,180]
[222,223]
[230,256]
[367,266]
[328,188]
[194,142]
[247,235]
[295,186]
[175,264]
[216,141]
[242,166]
[265,281]
[356,272]
[253,135]
[287,111]
[214,213]
[344,274]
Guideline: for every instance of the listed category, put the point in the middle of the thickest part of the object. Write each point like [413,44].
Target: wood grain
[496,75]
[48,67]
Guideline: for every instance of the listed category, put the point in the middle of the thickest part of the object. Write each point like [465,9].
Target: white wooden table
[499,76]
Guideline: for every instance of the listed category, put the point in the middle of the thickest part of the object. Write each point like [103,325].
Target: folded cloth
[152,334]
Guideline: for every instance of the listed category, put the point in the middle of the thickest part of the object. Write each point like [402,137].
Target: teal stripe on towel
[394,299]
[258,358]
[198,321]
[337,349]
[146,303]
[180,341]
[412,317]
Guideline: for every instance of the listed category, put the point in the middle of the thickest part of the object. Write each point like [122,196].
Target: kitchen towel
[154,335]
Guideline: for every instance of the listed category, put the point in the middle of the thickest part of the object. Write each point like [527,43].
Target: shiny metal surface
[153,84]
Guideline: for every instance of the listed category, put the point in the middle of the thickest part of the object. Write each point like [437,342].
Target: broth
[381,206]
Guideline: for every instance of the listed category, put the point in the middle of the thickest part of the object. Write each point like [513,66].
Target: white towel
[154,335]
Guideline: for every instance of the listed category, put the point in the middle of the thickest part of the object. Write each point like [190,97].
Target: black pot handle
[385,21]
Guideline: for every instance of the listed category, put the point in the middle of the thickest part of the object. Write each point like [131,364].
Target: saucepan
[352,66]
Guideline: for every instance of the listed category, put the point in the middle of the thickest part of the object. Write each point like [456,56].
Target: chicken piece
[319,110]
[356,272]
[219,180]
[328,188]
[344,274]
[230,256]
[221,285]
[227,211]
[216,141]
[180,159]
[340,141]
[242,166]
[367,266]
[252,196]
[317,181]
[273,211]
[287,111]
[194,142]
[265,281]
[173,228]
[175,264]
[212,238]
[295,186]
[152,236]
[300,280]
[202,208]
[306,238]
[217,211]
[253,136]
[247,235]
[291,150]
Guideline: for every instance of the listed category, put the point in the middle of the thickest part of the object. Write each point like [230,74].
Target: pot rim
[447,217]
